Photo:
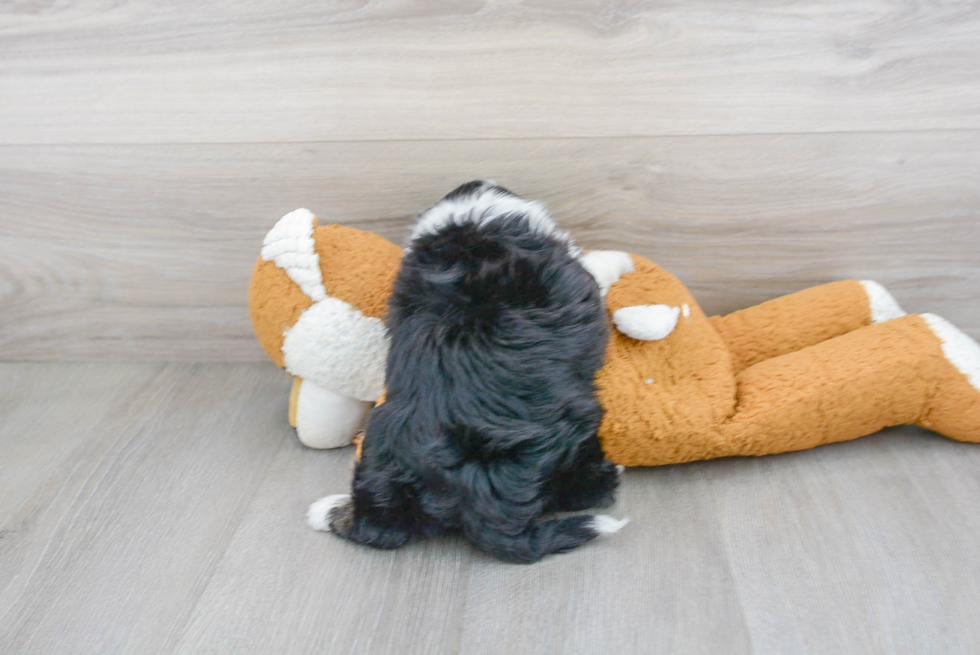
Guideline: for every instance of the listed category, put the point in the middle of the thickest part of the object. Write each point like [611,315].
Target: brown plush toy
[826,364]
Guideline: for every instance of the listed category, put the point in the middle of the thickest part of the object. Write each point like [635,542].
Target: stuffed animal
[827,364]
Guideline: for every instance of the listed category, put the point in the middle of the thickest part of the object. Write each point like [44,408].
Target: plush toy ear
[647,322]
[607,266]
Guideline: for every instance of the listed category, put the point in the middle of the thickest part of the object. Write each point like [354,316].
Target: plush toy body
[827,364]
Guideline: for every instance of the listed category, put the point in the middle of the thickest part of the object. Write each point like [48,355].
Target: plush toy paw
[954,407]
[883,305]
[323,418]
[959,348]
[647,322]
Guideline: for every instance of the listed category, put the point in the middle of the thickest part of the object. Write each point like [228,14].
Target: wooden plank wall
[753,148]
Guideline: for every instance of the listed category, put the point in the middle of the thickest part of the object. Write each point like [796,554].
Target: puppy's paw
[329,513]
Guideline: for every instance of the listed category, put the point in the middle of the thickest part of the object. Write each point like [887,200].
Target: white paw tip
[620,468]
[604,524]
[883,305]
[318,516]
[958,347]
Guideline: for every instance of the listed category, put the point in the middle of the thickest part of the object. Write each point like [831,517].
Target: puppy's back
[496,335]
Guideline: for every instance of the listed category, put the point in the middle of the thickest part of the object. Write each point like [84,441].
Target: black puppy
[490,421]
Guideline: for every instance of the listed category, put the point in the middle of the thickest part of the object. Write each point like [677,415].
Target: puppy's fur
[491,415]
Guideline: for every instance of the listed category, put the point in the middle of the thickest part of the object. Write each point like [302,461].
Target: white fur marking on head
[883,305]
[604,524]
[607,266]
[646,322]
[686,310]
[318,516]
[336,346]
[959,349]
[289,244]
[485,204]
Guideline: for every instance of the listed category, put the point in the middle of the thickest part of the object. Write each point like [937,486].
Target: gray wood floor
[159,508]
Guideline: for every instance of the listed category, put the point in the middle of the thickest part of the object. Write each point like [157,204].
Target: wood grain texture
[159,508]
[127,482]
[312,592]
[163,72]
[850,548]
[121,252]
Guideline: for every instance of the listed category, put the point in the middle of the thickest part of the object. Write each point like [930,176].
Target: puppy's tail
[554,536]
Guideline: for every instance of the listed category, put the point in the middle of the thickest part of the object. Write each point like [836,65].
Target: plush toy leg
[322,418]
[955,407]
[806,318]
[882,375]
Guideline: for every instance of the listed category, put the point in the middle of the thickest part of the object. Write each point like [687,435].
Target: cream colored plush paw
[883,305]
[959,348]
[325,419]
